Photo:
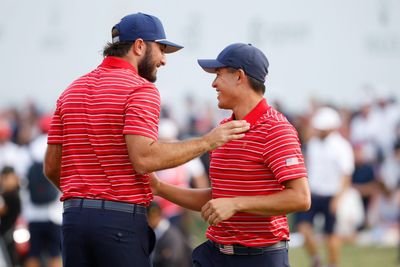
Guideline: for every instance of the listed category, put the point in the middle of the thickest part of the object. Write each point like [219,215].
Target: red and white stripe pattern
[92,116]
[256,165]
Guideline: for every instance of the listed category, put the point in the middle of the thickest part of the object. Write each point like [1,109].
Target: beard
[146,66]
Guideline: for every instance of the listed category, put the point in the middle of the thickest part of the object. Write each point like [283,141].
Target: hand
[226,132]
[217,210]
[154,183]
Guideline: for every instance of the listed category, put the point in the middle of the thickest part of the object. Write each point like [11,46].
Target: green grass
[352,256]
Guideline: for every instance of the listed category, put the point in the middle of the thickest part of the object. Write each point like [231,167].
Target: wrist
[237,204]
[207,143]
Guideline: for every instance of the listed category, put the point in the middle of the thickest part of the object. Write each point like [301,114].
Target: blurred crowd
[30,224]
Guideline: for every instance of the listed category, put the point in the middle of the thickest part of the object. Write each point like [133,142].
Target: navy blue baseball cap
[144,26]
[239,56]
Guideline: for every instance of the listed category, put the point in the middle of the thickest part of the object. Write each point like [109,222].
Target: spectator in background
[384,217]
[11,154]
[330,164]
[364,179]
[10,208]
[363,128]
[41,206]
[390,169]
[171,249]
[387,114]
[385,208]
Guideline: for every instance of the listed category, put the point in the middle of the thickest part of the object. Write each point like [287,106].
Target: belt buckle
[226,249]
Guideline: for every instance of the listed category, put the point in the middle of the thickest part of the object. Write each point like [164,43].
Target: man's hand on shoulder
[226,132]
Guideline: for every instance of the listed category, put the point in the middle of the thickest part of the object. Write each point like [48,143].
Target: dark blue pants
[104,238]
[207,255]
[319,205]
[45,237]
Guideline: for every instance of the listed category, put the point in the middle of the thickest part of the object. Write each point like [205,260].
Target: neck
[131,60]
[246,105]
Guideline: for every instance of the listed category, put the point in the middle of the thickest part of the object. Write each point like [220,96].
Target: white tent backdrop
[325,49]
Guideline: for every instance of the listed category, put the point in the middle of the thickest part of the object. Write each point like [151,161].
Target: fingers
[226,132]
[207,213]
[211,214]
[237,126]
[235,129]
[154,183]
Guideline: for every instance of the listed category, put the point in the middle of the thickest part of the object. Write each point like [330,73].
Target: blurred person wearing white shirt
[11,154]
[387,116]
[363,129]
[44,219]
[330,163]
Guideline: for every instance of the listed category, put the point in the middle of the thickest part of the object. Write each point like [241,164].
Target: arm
[52,164]
[295,197]
[188,198]
[346,183]
[147,155]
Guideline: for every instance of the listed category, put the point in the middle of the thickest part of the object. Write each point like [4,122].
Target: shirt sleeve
[55,134]
[282,153]
[142,112]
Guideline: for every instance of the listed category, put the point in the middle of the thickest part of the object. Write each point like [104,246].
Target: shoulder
[273,120]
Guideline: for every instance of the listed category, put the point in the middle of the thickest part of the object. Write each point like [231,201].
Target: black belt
[104,204]
[243,250]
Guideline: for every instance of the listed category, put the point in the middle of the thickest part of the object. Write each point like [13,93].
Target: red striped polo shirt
[91,118]
[257,164]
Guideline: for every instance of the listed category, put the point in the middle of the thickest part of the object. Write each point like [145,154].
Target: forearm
[161,155]
[147,155]
[55,180]
[188,198]
[295,197]
[52,164]
[271,205]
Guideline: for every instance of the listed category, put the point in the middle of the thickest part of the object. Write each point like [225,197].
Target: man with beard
[103,143]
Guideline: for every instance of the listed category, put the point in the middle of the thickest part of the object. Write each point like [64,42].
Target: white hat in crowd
[326,118]
[168,130]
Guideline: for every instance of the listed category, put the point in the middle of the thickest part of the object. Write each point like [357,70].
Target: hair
[256,85]
[7,170]
[118,49]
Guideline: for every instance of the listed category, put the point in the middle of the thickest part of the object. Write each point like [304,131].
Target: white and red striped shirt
[257,164]
[92,116]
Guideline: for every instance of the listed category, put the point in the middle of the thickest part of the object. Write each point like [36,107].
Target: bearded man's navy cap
[144,26]
[239,56]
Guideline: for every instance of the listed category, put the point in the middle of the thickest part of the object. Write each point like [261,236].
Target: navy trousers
[207,255]
[104,238]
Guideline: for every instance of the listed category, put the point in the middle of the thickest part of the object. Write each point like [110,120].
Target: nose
[214,83]
[163,60]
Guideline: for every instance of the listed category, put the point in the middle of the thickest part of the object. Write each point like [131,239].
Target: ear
[138,47]
[241,75]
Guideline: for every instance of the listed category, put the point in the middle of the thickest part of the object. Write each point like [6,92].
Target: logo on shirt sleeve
[292,161]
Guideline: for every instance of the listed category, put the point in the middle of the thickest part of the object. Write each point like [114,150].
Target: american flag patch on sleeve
[291,161]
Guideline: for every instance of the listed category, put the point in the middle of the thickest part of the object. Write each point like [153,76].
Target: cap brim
[210,65]
[170,46]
